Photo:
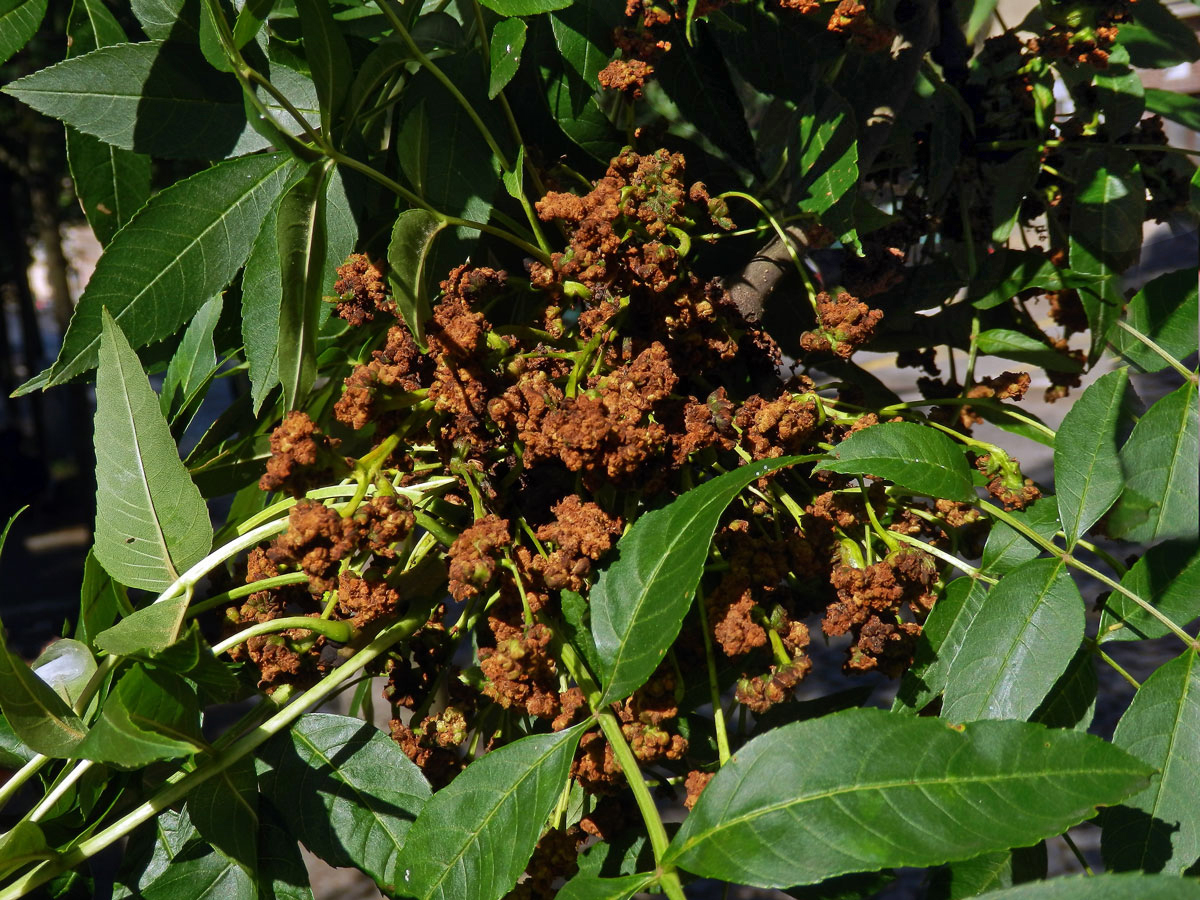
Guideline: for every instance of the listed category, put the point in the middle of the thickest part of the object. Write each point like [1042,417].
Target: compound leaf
[639,600]
[473,839]
[1018,645]
[912,456]
[151,522]
[947,793]
[1156,830]
[346,790]
[1165,311]
[1168,577]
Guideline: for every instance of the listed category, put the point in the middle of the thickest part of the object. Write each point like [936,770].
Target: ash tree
[549,327]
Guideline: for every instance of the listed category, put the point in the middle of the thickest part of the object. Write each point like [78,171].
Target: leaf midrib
[1100,434]
[1061,775]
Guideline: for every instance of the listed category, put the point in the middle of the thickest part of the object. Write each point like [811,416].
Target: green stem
[22,775]
[984,402]
[945,557]
[668,877]
[714,687]
[1116,667]
[1053,549]
[179,784]
[246,590]
[426,63]
[342,632]
[1078,855]
[1170,360]
[64,785]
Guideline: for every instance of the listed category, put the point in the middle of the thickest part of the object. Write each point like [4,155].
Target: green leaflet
[327,55]
[19,19]
[988,871]
[193,364]
[1087,470]
[1022,640]
[1156,830]
[300,232]
[1103,887]
[149,630]
[576,111]
[508,40]
[1119,93]
[346,790]
[408,251]
[828,159]
[474,837]
[282,874]
[941,640]
[224,810]
[150,715]
[262,290]
[1159,462]
[912,456]
[112,184]
[638,603]
[151,522]
[1071,702]
[946,794]
[162,19]
[582,33]
[588,886]
[1178,107]
[1007,272]
[1010,344]
[188,243]
[524,7]
[1006,548]
[1165,311]
[23,844]
[1168,577]
[36,714]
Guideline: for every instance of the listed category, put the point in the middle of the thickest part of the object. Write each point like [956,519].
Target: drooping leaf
[300,232]
[1009,344]
[224,809]
[187,243]
[1159,462]
[524,7]
[327,56]
[1103,887]
[282,874]
[639,600]
[912,456]
[1087,470]
[193,363]
[940,642]
[1168,577]
[67,666]
[508,40]
[1165,310]
[587,886]
[111,184]
[408,251]
[150,715]
[1006,548]
[1018,645]
[36,714]
[474,837]
[151,522]
[19,20]
[346,790]
[1156,830]
[950,793]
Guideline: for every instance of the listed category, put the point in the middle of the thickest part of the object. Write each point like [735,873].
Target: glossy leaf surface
[151,522]
[946,793]
[1168,577]
[36,714]
[189,241]
[149,716]
[1087,470]
[1103,887]
[408,251]
[941,641]
[639,601]
[224,810]
[1159,460]
[1009,344]
[1018,645]
[346,790]
[473,839]
[508,40]
[1165,310]
[1156,829]
[912,456]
